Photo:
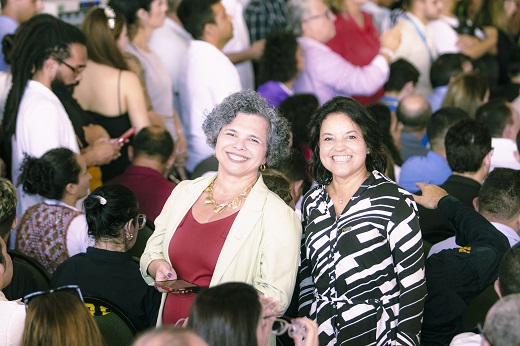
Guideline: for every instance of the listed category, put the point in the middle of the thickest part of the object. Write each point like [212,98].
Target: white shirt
[42,125]
[414,49]
[170,43]
[466,339]
[503,154]
[239,42]
[77,234]
[444,35]
[12,321]
[450,243]
[207,77]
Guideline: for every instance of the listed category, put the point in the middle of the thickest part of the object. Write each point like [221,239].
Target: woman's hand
[310,337]
[161,270]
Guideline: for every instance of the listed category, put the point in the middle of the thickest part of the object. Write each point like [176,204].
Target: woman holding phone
[229,226]
[106,270]
[118,103]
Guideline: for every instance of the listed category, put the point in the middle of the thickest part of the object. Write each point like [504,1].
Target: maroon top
[150,187]
[194,251]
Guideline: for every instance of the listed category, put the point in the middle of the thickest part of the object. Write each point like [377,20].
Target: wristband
[388,51]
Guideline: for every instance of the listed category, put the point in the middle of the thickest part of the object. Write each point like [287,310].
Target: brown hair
[467,92]
[101,40]
[60,319]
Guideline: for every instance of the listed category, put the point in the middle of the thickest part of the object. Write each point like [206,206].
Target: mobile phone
[125,135]
[178,286]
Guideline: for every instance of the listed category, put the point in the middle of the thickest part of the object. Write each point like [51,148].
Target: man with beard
[46,52]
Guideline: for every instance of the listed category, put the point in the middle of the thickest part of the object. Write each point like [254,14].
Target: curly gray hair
[296,10]
[250,102]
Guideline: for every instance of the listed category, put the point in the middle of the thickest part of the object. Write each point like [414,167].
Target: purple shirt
[150,187]
[7,26]
[273,92]
[326,74]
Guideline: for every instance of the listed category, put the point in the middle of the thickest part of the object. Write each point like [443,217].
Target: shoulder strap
[119,92]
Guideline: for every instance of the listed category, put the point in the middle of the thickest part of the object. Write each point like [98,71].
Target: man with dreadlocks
[46,51]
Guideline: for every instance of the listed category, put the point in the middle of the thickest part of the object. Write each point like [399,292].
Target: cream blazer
[261,249]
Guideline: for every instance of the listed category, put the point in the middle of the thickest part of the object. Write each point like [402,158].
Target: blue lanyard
[421,35]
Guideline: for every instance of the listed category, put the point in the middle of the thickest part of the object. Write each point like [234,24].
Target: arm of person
[276,274]
[101,152]
[134,98]
[407,253]
[471,228]
[135,66]
[475,48]
[254,52]
[93,132]
[153,263]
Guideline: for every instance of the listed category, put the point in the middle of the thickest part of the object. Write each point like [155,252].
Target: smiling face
[342,148]
[242,145]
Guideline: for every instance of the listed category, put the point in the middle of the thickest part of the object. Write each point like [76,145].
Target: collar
[510,233]
[312,42]
[142,170]
[2,296]
[462,180]
[503,144]
[60,203]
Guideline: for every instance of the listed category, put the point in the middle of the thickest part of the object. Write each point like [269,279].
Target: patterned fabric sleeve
[407,252]
[306,296]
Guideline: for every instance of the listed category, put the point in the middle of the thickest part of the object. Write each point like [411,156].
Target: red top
[194,250]
[357,45]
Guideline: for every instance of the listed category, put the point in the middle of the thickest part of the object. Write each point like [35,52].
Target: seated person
[234,313]
[106,271]
[59,318]
[468,151]
[455,277]
[444,70]
[401,83]
[23,281]
[12,313]
[53,230]
[499,202]
[432,168]
[151,154]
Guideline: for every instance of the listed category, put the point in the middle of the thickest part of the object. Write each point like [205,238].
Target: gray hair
[296,10]
[250,102]
[501,326]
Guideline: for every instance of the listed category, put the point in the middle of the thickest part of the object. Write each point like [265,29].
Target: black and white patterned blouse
[362,274]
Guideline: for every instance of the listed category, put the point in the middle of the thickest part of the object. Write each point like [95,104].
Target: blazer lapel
[244,224]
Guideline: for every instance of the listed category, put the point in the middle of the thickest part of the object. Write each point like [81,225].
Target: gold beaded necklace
[219,208]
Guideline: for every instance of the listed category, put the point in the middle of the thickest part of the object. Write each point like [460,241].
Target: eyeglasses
[282,325]
[69,288]
[327,14]
[482,334]
[75,70]
[141,220]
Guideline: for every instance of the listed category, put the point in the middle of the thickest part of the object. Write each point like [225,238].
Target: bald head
[414,112]
[169,336]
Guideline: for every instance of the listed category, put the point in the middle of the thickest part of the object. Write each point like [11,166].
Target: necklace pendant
[208,200]
[236,203]
[340,201]
[219,208]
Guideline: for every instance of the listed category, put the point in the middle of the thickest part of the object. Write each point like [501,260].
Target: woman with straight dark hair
[362,260]
[233,314]
[106,270]
[54,230]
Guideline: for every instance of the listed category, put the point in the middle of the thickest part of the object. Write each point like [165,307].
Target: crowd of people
[308,172]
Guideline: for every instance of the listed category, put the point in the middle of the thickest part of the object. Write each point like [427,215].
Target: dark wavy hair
[384,120]
[226,315]
[49,175]
[129,9]
[106,220]
[278,63]
[376,158]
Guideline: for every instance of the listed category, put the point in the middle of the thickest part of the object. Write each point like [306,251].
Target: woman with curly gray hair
[229,226]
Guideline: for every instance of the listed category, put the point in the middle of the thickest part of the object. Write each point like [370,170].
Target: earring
[129,236]
[263,167]
[215,154]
